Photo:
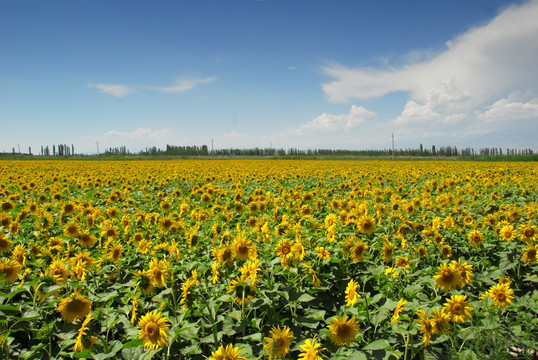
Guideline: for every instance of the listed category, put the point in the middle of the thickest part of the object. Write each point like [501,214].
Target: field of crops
[268,259]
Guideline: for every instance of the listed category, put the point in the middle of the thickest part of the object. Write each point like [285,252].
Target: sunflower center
[447,276]
[456,309]
[501,296]
[75,306]
[343,331]
[528,232]
[286,250]
[152,330]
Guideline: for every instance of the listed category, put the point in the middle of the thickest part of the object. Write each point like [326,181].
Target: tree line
[203,150]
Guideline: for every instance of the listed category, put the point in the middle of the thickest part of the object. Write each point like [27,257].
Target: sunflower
[475,237]
[58,270]
[278,345]
[284,249]
[159,272]
[528,232]
[466,272]
[227,353]
[72,229]
[84,341]
[388,251]
[86,239]
[529,254]
[398,310]
[115,251]
[74,307]
[501,294]
[109,231]
[68,208]
[165,224]
[153,328]
[322,253]
[440,321]
[6,205]
[243,247]
[448,277]
[243,292]
[403,262]
[357,250]
[311,349]
[9,269]
[426,327]
[343,331]
[366,224]
[446,251]
[458,307]
[5,243]
[351,293]
[507,233]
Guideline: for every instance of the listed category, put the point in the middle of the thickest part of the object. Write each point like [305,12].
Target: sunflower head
[74,307]
[278,345]
[153,328]
[343,331]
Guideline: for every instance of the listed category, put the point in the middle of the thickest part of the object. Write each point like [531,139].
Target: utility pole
[211,146]
[392,146]
[98,148]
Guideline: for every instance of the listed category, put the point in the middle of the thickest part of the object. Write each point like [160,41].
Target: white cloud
[506,110]
[464,89]
[333,123]
[183,85]
[113,89]
[139,134]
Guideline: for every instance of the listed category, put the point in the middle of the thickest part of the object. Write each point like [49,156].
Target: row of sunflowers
[268,259]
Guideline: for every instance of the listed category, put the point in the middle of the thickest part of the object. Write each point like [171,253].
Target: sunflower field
[268,259]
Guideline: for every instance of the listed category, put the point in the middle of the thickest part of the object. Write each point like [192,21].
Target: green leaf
[380,344]
[133,343]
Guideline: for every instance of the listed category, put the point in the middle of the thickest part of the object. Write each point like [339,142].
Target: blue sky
[305,74]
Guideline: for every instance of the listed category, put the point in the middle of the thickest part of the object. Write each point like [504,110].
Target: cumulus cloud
[469,81]
[113,89]
[333,123]
[183,85]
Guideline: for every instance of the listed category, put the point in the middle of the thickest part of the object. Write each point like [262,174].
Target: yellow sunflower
[448,277]
[366,224]
[440,321]
[159,272]
[153,328]
[458,307]
[58,270]
[9,269]
[501,294]
[528,232]
[358,250]
[351,293]
[388,251]
[227,353]
[398,310]
[73,308]
[529,254]
[475,237]
[343,331]
[507,233]
[311,349]
[86,239]
[84,340]
[426,327]
[5,243]
[278,345]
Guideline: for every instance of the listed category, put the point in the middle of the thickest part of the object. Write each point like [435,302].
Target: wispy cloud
[468,84]
[139,134]
[183,85]
[113,89]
